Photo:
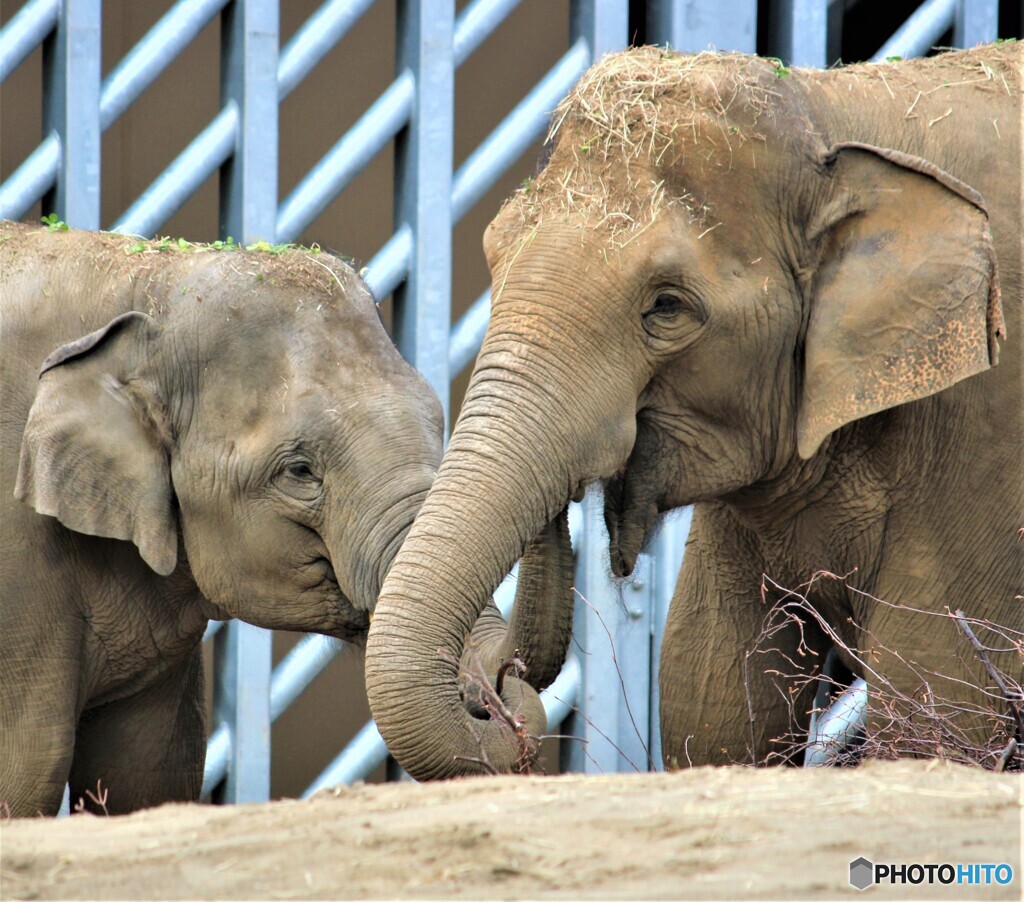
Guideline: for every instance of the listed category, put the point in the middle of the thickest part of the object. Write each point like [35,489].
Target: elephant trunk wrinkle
[519,452]
[391,546]
[473,513]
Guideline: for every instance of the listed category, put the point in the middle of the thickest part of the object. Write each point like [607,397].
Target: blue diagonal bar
[19,37]
[179,181]
[476,23]
[360,144]
[390,264]
[527,122]
[311,43]
[921,31]
[160,46]
[31,180]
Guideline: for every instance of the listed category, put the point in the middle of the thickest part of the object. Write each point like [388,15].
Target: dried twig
[98,798]
[527,745]
[1011,698]
[1007,756]
[515,664]
[944,715]
[622,683]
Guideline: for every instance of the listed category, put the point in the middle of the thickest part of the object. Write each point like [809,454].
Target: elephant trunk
[390,464]
[540,628]
[515,459]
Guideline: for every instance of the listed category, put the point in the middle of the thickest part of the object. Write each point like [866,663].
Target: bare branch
[1011,698]
[944,715]
[512,722]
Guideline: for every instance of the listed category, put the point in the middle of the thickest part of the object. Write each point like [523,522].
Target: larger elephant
[773,293]
[190,434]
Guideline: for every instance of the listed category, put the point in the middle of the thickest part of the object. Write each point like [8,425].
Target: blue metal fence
[610,694]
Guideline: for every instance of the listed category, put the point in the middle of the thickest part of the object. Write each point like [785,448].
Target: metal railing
[610,693]
[804,32]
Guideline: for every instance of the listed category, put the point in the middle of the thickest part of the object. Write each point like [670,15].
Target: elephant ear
[92,454]
[905,298]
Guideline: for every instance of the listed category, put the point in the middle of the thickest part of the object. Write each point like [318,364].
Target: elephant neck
[828,512]
[148,625]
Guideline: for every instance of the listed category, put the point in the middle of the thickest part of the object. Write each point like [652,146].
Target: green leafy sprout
[161,245]
[53,223]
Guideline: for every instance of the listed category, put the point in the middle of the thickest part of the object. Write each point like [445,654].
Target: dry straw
[618,138]
[628,120]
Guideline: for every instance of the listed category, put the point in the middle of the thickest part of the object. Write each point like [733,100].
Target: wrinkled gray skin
[213,435]
[776,297]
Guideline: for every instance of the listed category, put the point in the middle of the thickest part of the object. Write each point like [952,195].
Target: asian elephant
[187,434]
[771,292]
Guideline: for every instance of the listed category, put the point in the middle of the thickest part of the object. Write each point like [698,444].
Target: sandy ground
[729,833]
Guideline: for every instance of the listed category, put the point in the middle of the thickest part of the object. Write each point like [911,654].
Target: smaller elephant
[187,434]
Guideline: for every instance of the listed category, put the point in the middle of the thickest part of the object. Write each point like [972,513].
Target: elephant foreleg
[145,749]
[37,737]
[722,698]
[39,689]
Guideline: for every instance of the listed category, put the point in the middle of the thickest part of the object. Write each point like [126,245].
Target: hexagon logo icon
[862,873]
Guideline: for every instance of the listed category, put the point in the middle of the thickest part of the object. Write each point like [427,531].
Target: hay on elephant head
[632,104]
[629,118]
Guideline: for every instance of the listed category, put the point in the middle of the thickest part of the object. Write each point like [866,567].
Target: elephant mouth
[344,620]
[634,496]
[631,519]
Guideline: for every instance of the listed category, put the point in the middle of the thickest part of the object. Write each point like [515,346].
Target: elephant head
[255,430]
[696,294]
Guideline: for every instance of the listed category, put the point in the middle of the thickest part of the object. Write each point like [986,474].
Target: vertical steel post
[423,188]
[242,701]
[612,633]
[603,24]
[612,639]
[799,32]
[977,22]
[248,212]
[248,184]
[71,110]
[694,25]
[667,559]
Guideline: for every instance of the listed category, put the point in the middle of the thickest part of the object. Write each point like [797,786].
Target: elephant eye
[666,304]
[673,315]
[300,470]
[299,480]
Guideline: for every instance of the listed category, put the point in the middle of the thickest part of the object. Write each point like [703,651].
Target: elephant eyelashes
[300,471]
[298,479]
[666,304]
[671,312]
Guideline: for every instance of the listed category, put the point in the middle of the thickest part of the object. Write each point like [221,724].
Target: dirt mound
[728,833]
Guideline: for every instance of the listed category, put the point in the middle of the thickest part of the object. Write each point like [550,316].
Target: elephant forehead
[264,345]
[563,263]
[637,102]
[260,432]
[635,128]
